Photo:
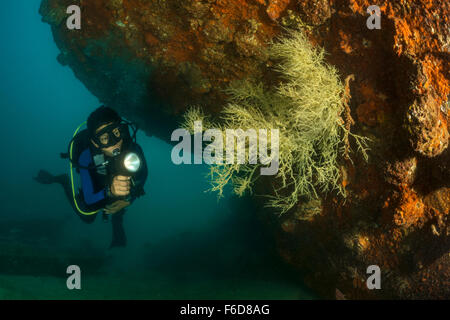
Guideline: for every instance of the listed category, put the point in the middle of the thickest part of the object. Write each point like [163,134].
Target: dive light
[132,162]
[125,163]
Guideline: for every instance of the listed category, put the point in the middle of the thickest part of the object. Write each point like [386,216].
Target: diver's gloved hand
[120,186]
[116,206]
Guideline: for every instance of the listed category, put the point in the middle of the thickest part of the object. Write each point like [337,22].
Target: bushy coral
[307,108]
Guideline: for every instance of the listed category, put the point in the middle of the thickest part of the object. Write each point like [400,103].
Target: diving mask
[110,135]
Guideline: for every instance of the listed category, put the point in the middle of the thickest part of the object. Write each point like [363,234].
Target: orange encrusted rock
[152,59]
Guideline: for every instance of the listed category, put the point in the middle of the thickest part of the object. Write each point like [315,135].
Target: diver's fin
[45,177]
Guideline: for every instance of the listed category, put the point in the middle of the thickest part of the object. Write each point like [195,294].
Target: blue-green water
[182,242]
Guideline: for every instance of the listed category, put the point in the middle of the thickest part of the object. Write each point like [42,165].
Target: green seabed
[153,284]
[189,265]
[147,286]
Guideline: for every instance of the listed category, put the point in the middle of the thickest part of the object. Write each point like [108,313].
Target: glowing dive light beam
[132,162]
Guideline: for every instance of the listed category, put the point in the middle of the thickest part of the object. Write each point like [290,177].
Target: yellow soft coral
[306,107]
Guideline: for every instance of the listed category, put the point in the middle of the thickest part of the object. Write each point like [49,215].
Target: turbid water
[182,242]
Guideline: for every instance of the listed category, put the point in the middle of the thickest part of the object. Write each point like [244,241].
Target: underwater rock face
[152,59]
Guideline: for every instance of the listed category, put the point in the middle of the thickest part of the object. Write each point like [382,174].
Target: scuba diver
[112,169]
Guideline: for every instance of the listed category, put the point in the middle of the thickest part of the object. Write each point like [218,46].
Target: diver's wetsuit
[93,186]
[94,189]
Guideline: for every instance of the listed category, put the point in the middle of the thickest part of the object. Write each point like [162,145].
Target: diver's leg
[119,238]
[46,177]
[64,180]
